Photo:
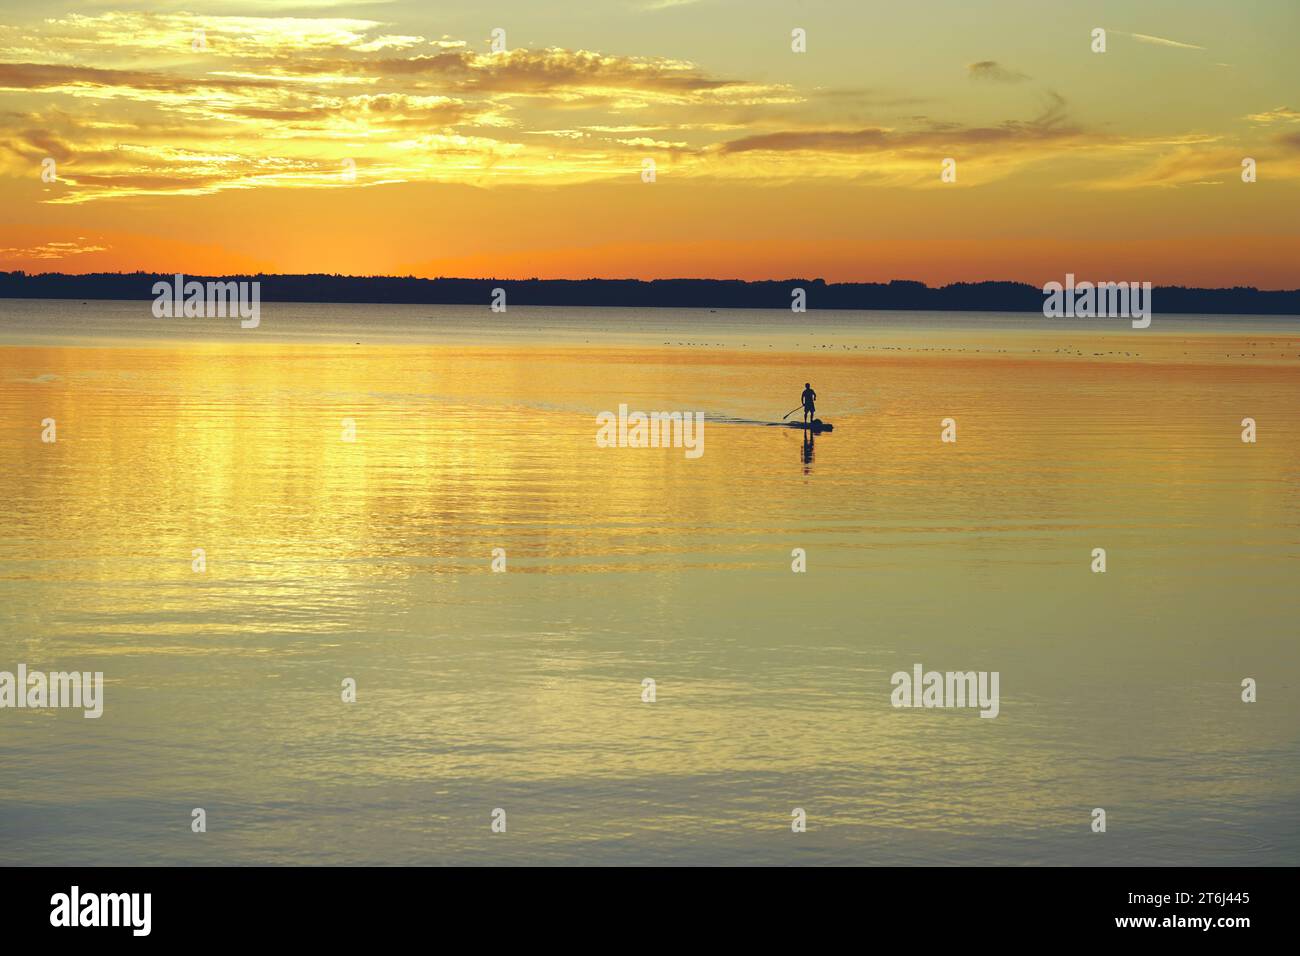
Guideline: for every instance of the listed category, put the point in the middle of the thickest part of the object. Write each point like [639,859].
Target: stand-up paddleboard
[816,426]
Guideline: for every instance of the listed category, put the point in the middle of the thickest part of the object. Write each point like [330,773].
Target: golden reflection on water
[372,559]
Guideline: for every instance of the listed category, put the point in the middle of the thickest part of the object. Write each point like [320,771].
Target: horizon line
[896,281]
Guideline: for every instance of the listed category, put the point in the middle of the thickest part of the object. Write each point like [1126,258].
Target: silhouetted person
[809,399]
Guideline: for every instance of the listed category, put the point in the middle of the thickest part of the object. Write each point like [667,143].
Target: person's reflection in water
[807,453]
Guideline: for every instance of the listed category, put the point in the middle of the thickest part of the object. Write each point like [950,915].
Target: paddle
[791,412]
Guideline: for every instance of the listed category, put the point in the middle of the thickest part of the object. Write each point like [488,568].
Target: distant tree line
[657,293]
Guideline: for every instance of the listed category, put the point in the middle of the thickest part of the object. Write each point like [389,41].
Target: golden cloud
[193,104]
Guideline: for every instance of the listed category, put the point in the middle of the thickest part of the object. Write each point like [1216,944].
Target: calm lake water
[372,559]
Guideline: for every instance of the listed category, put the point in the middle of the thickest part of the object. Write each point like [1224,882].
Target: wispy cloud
[1162,41]
[1048,126]
[668,4]
[995,72]
[53,250]
[1283,114]
[908,155]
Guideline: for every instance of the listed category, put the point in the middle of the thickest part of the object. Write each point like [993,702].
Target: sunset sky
[233,150]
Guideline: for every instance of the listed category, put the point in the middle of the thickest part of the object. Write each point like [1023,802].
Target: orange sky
[392,138]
